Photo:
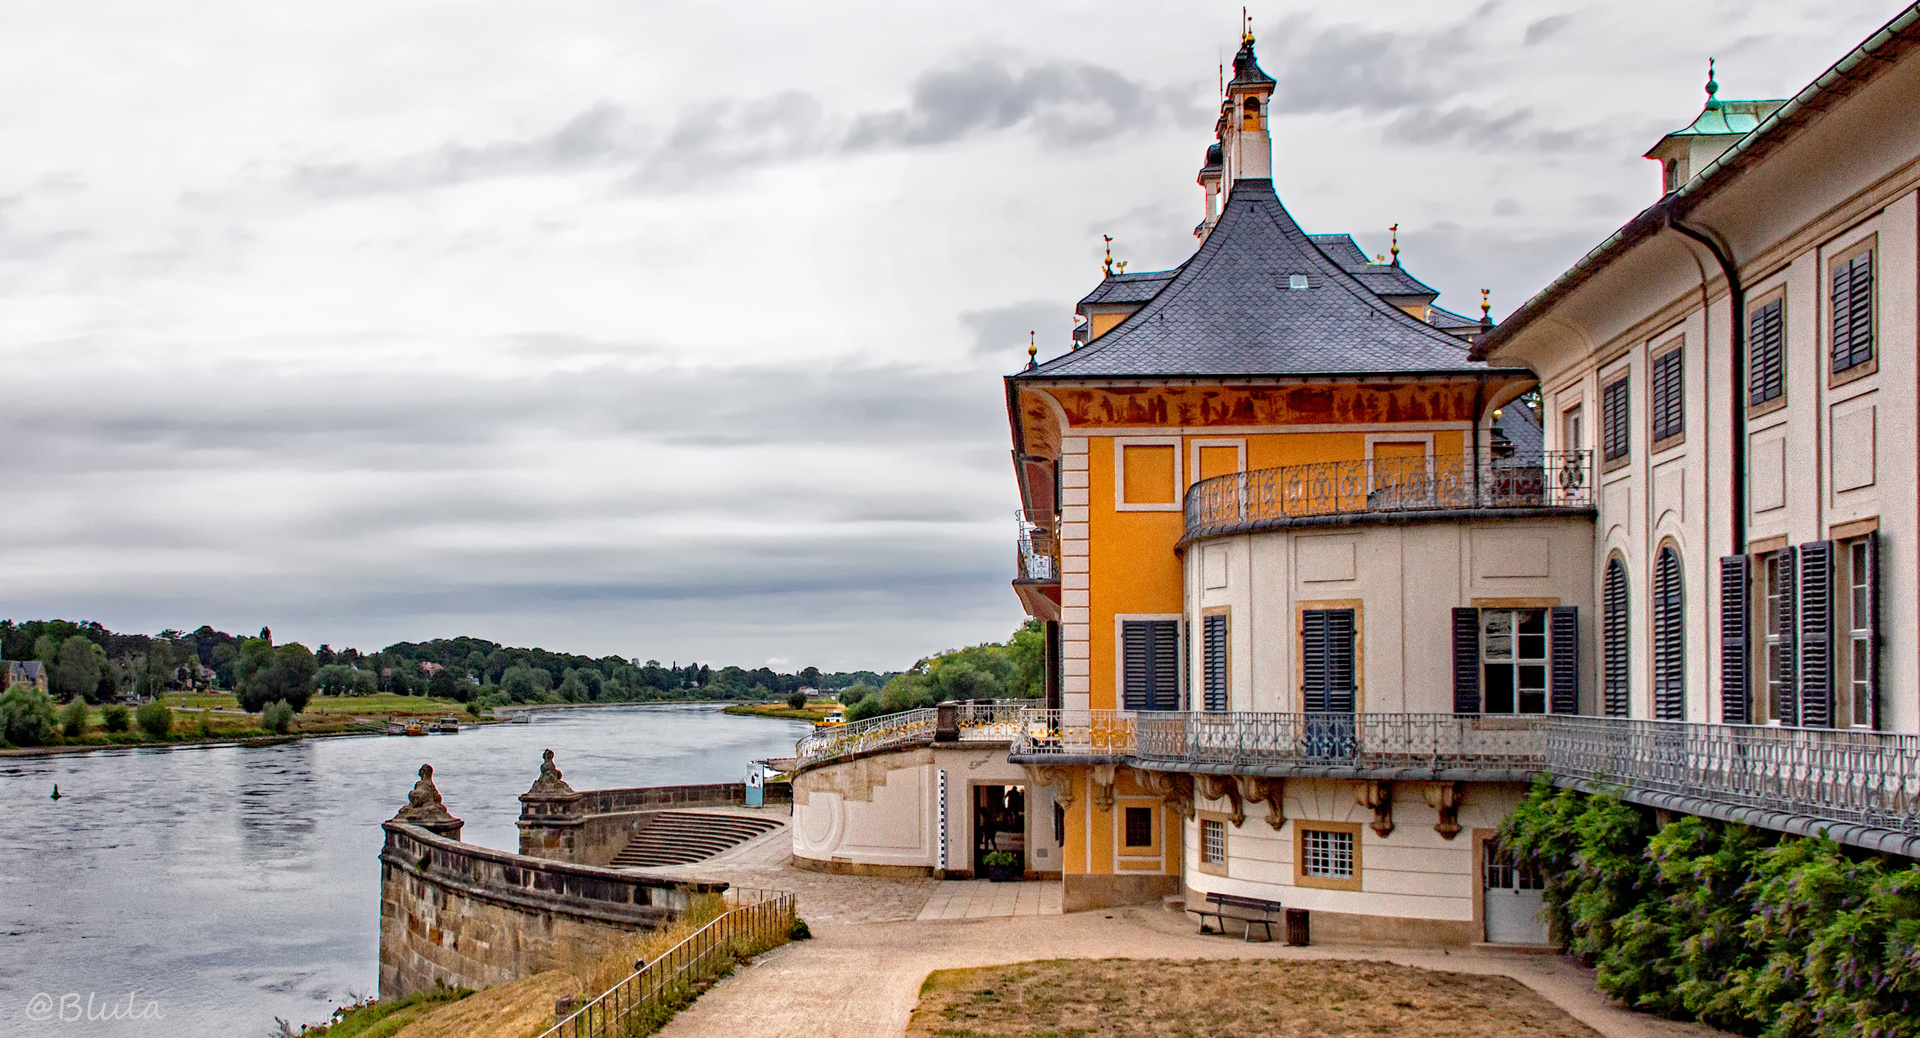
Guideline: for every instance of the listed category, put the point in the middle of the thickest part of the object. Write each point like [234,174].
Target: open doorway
[999,824]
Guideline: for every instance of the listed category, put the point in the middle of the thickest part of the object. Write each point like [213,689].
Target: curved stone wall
[470,916]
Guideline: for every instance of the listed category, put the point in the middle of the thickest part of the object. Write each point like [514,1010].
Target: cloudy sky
[675,330]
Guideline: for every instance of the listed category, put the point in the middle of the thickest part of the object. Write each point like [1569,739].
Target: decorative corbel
[1379,797]
[1271,790]
[1103,786]
[1445,798]
[1222,787]
[1059,779]
[1175,790]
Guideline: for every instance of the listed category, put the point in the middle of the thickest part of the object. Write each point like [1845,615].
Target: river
[222,887]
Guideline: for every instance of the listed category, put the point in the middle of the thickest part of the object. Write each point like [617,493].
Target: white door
[1515,900]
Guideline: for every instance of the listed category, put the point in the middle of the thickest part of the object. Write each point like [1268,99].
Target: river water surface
[221,888]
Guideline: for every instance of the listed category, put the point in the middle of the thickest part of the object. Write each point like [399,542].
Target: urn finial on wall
[550,815]
[426,810]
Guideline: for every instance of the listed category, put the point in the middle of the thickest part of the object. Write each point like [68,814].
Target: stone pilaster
[550,816]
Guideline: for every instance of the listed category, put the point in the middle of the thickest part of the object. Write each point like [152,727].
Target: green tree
[1028,651]
[283,673]
[277,717]
[334,679]
[155,719]
[77,674]
[524,684]
[797,701]
[26,716]
[73,719]
[447,684]
[113,717]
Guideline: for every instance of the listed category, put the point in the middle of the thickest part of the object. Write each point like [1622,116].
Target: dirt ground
[1149,998]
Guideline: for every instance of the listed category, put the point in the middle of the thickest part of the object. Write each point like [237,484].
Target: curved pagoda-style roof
[1232,310]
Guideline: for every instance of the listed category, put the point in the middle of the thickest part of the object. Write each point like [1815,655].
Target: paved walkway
[863,980]
[979,899]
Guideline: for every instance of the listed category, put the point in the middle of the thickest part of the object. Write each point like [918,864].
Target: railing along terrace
[1074,733]
[995,720]
[1038,548]
[1865,778]
[1554,479]
[759,920]
[1422,743]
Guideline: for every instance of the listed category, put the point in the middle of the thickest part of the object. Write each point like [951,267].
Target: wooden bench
[1253,911]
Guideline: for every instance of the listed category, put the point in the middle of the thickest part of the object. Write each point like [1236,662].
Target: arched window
[1613,636]
[1250,118]
[1669,638]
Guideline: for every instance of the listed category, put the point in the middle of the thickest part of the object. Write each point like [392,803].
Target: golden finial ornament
[1395,230]
[1486,308]
[1033,352]
[1106,266]
[1246,27]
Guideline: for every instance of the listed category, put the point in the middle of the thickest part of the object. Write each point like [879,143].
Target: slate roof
[1448,319]
[1246,69]
[1387,279]
[1229,310]
[1517,424]
[1130,288]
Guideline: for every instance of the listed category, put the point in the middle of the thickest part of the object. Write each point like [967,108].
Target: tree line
[87,661]
[1013,669]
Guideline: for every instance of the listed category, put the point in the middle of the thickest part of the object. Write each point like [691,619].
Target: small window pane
[1213,842]
[1327,854]
[1139,827]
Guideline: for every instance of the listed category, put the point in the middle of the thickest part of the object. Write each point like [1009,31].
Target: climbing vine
[1748,930]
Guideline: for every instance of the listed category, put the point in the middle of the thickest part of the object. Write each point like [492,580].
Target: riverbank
[209,719]
[810,712]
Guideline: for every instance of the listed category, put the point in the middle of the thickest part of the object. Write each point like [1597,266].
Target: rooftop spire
[1396,243]
[1033,352]
[1713,88]
[1486,310]
[1106,265]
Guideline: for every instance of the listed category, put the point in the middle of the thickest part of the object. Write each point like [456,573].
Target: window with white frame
[1776,638]
[1326,854]
[1859,628]
[1213,842]
[1513,658]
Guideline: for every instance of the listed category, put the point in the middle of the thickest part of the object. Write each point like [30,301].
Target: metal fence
[1038,550]
[1554,479]
[997,720]
[1074,733]
[1365,742]
[1866,778]
[637,1004]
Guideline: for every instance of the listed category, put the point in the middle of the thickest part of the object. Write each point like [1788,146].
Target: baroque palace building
[1330,574]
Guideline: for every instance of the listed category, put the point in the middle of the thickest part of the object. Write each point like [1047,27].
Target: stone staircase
[685,837]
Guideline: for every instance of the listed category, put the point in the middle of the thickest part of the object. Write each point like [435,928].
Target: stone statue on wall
[549,783]
[425,808]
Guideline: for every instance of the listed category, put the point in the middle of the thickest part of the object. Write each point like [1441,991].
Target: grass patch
[1229,998]
[373,1019]
[810,712]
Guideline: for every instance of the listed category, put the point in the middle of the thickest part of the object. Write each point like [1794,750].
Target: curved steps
[685,837]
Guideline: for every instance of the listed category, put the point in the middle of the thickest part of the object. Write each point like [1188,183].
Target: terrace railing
[1864,778]
[996,720]
[1240,500]
[1037,548]
[1868,779]
[759,920]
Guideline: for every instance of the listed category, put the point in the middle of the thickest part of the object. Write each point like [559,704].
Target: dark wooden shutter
[1787,710]
[1166,665]
[1466,660]
[1736,641]
[1767,352]
[1816,634]
[1563,674]
[1873,631]
[1136,654]
[1669,639]
[1614,639]
[1615,432]
[1853,312]
[1340,669]
[1213,662]
[1313,660]
[1667,409]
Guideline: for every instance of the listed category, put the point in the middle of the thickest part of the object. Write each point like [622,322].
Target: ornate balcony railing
[1038,547]
[1242,500]
[997,720]
[1864,778]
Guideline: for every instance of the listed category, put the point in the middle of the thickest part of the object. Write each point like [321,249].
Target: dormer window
[1673,174]
[1250,114]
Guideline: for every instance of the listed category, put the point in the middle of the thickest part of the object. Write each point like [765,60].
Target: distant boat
[833,720]
[416,728]
[446,726]
[520,717]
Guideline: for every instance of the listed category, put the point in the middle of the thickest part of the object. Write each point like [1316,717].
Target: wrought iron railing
[1365,742]
[979,721]
[1038,547]
[760,919]
[1558,479]
[1075,733]
[1866,778]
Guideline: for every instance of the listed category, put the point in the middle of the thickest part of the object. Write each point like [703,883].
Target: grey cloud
[1063,103]
[1000,333]
[1478,128]
[1545,29]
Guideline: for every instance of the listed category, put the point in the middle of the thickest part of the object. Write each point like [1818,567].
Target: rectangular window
[1857,557]
[1776,596]
[1327,673]
[1505,870]
[1213,842]
[1513,655]
[1139,826]
[1326,855]
[1852,278]
[1767,352]
[1667,398]
[1572,429]
[1615,433]
[1150,655]
[1213,661]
